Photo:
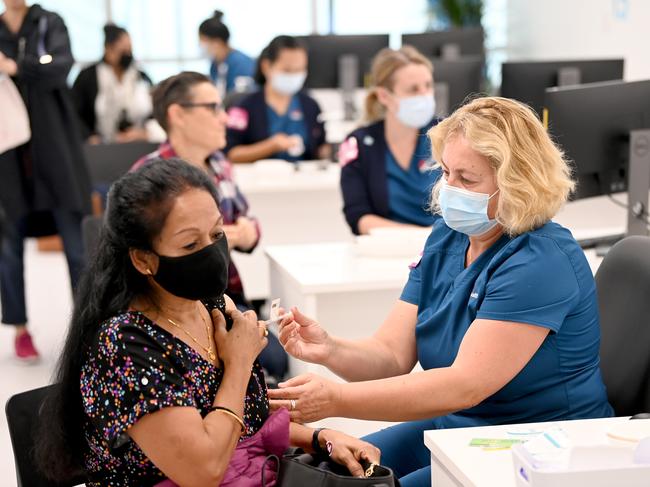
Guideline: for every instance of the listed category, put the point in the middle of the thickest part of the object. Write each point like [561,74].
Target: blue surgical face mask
[288,83]
[465,211]
[416,111]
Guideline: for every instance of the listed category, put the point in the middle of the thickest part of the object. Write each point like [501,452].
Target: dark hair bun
[218,14]
[112,33]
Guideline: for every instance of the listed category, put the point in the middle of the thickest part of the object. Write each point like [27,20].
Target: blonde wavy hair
[532,174]
[384,65]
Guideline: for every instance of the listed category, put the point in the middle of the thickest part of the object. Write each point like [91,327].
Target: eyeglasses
[214,106]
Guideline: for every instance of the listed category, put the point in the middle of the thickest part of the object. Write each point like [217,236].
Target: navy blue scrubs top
[291,123]
[409,191]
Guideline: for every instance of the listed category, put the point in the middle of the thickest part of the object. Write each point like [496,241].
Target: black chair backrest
[234,97]
[91,227]
[108,162]
[623,283]
[22,418]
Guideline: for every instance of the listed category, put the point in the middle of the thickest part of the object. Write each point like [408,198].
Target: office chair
[91,227]
[234,98]
[623,284]
[108,162]
[22,412]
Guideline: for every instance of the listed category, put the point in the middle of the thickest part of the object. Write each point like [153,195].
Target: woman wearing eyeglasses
[188,107]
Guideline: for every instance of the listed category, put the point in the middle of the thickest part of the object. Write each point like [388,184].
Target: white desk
[454,463]
[349,294]
[293,207]
[593,217]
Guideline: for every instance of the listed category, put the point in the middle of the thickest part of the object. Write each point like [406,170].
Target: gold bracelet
[232,414]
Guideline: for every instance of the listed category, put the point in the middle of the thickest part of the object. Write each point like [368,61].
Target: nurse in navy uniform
[280,121]
[387,173]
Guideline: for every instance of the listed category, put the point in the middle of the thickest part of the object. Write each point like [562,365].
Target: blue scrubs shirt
[541,278]
[291,123]
[238,64]
[409,192]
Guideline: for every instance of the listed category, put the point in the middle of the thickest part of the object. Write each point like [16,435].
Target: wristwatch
[316,445]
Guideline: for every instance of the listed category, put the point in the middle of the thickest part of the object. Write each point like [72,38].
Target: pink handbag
[249,457]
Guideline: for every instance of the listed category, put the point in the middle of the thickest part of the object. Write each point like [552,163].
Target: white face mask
[465,211]
[416,111]
[288,83]
[204,53]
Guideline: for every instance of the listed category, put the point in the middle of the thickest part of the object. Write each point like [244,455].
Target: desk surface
[336,267]
[275,176]
[472,466]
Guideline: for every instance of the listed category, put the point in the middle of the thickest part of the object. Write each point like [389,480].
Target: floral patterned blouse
[133,368]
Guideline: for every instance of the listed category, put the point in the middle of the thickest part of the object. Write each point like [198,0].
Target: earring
[149,272]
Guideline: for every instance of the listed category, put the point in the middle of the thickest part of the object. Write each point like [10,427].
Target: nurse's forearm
[363,360]
[368,222]
[253,152]
[419,395]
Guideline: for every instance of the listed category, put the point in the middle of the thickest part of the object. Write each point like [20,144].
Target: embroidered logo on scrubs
[348,151]
[415,263]
[237,118]
[473,295]
[295,115]
[425,165]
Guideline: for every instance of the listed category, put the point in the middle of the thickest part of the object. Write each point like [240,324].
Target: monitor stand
[450,52]
[638,183]
[348,75]
[441,95]
[568,76]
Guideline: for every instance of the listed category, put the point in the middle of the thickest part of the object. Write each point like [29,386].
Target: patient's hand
[349,451]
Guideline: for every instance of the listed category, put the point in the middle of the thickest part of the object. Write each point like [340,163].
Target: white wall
[562,29]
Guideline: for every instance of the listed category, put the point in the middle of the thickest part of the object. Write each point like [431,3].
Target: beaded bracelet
[224,410]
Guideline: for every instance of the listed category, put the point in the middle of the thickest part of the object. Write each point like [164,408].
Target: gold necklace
[211,354]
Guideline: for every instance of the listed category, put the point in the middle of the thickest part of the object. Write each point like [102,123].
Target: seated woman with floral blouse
[159,380]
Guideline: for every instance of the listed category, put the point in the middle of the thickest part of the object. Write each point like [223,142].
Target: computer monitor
[448,44]
[326,52]
[592,123]
[526,81]
[461,77]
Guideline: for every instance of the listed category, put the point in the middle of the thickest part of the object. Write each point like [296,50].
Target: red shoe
[25,350]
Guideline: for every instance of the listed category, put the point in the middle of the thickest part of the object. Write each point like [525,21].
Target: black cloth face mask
[125,60]
[201,275]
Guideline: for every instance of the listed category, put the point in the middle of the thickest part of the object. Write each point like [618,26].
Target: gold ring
[293,404]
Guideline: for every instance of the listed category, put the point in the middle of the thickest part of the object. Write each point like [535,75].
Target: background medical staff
[229,68]
[500,311]
[279,121]
[387,171]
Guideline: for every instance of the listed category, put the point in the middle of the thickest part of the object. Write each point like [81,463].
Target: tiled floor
[49,305]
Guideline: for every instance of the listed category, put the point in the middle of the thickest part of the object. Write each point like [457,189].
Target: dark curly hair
[137,208]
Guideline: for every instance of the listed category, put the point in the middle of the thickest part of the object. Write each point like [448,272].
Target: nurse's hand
[303,338]
[282,142]
[308,398]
